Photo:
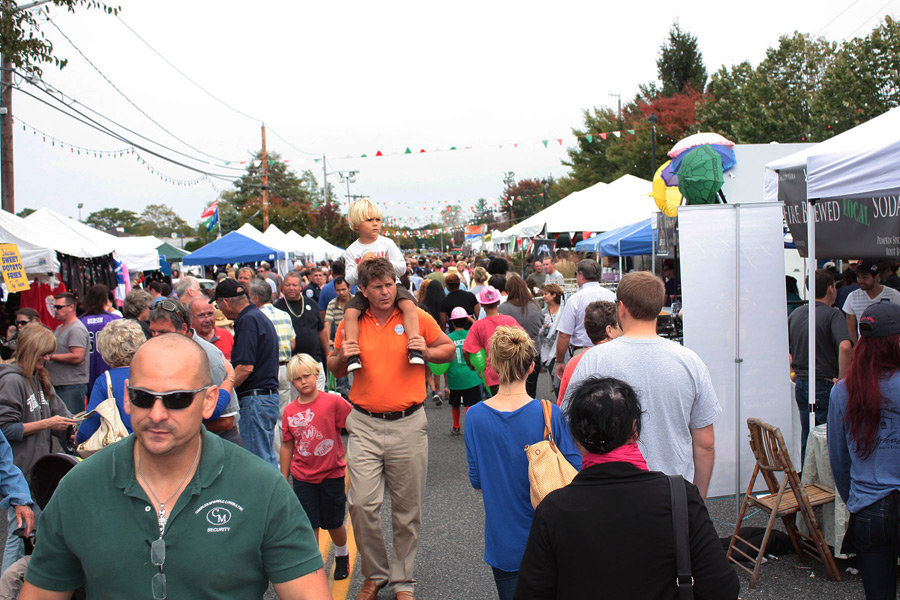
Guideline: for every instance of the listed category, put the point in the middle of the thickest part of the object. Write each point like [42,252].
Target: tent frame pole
[737,358]
[811,298]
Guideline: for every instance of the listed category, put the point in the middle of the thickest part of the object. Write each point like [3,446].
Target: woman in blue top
[497,431]
[864,447]
[117,343]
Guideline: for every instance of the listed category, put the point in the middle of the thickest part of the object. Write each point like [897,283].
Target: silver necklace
[161,517]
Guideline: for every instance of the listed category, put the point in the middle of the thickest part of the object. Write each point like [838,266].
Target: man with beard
[870,292]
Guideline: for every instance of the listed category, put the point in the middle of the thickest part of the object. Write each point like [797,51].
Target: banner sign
[542,248]
[845,227]
[13,269]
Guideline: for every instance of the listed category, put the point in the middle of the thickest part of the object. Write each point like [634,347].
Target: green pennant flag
[631,131]
[364,156]
[317,159]
[544,142]
[408,151]
[589,138]
[453,147]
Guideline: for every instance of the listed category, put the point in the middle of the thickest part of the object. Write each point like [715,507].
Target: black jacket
[608,534]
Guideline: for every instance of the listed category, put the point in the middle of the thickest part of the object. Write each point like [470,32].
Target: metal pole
[265,181]
[652,150]
[7,157]
[811,298]
[737,359]
[325,182]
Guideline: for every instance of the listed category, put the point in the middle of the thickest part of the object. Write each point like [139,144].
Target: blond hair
[301,364]
[119,340]
[34,341]
[511,353]
[362,210]
[480,275]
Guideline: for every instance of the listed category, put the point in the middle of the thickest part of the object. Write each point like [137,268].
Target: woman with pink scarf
[609,533]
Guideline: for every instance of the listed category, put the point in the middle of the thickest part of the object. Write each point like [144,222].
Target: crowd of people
[282,364]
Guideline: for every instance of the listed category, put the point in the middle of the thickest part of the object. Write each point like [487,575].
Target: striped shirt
[283,328]
[334,313]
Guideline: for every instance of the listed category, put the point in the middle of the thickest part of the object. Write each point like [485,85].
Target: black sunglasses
[174,400]
[169,306]
[60,306]
[22,323]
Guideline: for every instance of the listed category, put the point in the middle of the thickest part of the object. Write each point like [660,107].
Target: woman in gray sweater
[520,306]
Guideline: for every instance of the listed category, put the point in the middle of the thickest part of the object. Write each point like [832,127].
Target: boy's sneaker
[341,567]
[437,398]
[353,363]
[455,432]
[416,358]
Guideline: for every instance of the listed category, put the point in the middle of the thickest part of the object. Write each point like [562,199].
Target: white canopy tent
[85,241]
[603,208]
[299,244]
[859,163]
[536,223]
[37,257]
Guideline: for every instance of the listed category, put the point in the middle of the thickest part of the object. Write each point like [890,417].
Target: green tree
[483,213]
[160,220]
[680,63]
[861,82]
[523,198]
[290,197]
[330,224]
[780,100]
[25,212]
[22,40]
[113,218]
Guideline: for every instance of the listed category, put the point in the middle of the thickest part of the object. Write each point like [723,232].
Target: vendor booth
[232,248]
[630,240]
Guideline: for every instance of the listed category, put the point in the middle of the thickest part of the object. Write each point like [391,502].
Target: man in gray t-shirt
[69,366]
[672,384]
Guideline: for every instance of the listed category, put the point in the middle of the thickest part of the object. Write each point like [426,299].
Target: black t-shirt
[831,330]
[307,322]
[462,298]
[256,343]
[311,291]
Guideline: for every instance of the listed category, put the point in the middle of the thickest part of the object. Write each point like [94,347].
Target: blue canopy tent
[232,248]
[629,240]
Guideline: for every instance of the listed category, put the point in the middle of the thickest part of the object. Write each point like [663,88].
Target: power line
[874,14]
[121,93]
[852,4]
[88,121]
[207,92]
[51,91]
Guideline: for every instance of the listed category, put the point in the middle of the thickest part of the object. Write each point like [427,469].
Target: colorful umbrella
[700,176]
[698,139]
[668,175]
[668,198]
[726,152]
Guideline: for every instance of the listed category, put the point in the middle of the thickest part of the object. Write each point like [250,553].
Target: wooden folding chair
[784,500]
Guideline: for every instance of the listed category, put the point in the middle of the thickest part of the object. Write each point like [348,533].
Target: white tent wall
[744,182]
[732,264]
[36,257]
[598,208]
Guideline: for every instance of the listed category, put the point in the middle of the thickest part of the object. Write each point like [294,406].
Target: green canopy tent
[170,252]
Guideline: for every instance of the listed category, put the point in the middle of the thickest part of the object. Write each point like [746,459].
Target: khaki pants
[395,452]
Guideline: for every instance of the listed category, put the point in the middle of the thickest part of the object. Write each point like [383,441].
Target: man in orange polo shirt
[388,429]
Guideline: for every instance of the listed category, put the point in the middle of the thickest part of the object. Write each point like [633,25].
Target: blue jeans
[73,396]
[259,414]
[506,583]
[823,393]
[875,534]
[15,546]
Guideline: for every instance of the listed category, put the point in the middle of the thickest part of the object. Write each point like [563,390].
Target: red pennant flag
[422,151]
[559,140]
[603,135]
[379,153]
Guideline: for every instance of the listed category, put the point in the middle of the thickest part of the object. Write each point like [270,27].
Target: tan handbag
[111,429]
[548,469]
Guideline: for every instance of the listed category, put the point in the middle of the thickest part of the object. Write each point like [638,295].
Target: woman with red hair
[864,446]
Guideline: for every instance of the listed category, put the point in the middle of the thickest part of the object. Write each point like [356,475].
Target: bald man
[192,502]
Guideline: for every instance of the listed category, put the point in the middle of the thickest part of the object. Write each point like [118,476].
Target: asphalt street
[450,565]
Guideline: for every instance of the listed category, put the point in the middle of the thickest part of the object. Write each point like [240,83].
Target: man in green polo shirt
[173,511]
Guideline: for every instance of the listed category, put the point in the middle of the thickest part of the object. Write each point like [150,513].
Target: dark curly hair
[603,414]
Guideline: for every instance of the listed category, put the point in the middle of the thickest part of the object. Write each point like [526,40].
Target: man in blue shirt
[255,360]
[14,488]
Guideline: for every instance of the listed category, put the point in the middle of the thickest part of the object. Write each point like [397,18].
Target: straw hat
[222,320]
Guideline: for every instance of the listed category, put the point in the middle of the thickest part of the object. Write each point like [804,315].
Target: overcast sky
[350,78]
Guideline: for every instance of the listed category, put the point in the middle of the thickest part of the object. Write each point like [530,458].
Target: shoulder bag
[683,579]
[548,469]
[111,429]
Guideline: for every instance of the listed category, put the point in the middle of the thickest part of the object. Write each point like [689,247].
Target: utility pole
[619,98]
[653,120]
[7,159]
[324,181]
[265,181]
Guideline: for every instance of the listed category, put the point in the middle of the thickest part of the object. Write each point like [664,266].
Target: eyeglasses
[174,400]
[60,306]
[22,323]
[169,306]
[158,558]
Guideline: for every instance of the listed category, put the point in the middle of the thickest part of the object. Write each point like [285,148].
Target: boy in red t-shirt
[313,454]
